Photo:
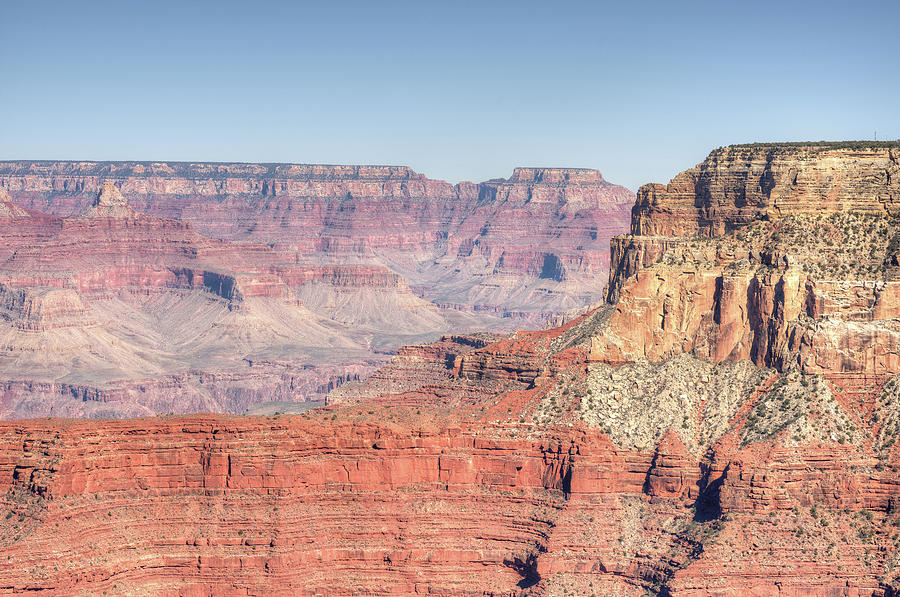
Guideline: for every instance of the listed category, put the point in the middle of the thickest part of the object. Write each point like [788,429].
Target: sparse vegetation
[802,407]
[637,403]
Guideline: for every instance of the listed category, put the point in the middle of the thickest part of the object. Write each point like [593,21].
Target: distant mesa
[110,203]
[557,176]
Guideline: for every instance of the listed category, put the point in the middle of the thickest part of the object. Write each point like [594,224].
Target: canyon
[133,289]
[535,243]
[725,423]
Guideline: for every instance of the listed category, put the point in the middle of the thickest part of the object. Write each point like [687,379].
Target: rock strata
[536,243]
[116,313]
[334,502]
[727,427]
[738,184]
[109,203]
[185,269]
[778,254]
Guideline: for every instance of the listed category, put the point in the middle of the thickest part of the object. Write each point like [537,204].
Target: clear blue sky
[458,90]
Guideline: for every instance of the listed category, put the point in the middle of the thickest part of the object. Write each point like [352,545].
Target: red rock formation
[19,227]
[271,522]
[414,368]
[40,309]
[503,466]
[109,204]
[741,183]
[322,506]
[680,286]
[672,474]
[460,245]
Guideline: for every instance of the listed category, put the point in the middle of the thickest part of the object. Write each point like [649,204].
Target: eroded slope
[658,452]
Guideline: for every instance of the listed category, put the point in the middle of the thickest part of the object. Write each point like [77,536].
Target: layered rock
[8,209]
[414,368]
[109,203]
[718,431]
[535,244]
[116,313]
[741,183]
[436,502]
[40,309]
[317,266]
[20,227]
[766,253]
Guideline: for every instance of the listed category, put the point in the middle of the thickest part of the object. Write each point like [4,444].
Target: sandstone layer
[727,425]
[738,184]
[782,254]
[529,246]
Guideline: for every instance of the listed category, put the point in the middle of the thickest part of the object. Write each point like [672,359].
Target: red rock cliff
[741,183]
[645,447]
[780,254]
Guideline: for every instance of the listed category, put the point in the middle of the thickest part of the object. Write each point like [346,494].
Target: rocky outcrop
[779,254]
[741,183]
[40,309]
[414,368]
[109,203]
[8,209]
[20,227]
[566,200]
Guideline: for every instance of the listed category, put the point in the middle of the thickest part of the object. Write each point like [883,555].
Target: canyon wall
[726,425]
[460,485]
[782,254]
[167,288]
[534,244]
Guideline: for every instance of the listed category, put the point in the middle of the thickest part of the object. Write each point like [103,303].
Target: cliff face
[781,254]
[728,427]
[473,481]
[19,226]
[9,211]
[534,244]
[739,184]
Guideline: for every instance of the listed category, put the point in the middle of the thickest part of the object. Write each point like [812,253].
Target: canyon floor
[723,424]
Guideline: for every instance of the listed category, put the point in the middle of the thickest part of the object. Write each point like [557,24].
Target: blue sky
[457,90]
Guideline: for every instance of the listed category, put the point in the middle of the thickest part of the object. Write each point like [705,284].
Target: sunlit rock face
[739,184]
[725,425]
[782,254]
